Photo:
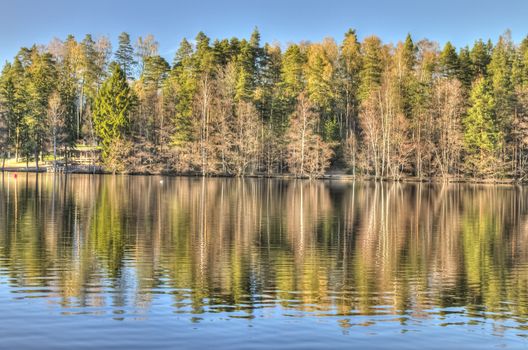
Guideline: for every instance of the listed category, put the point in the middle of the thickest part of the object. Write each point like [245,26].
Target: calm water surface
[157,263]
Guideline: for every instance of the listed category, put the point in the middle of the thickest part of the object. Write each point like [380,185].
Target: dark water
[130,262]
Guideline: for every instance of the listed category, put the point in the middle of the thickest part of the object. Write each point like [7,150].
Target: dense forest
[238,107]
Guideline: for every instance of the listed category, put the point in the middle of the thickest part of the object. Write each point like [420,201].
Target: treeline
[238,107]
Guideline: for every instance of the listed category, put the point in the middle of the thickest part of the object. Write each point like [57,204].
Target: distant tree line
[237,107]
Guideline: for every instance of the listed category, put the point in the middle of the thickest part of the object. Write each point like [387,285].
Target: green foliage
[449,62]
[155,71]
[8,104]
[320,76]
[409,56]
[124,55]
[480,58]
[465,73]
[331,130]
[292,72]
[372,66]
[500,75]
[112,108]
[375,102]
[92,70]
[180,87]
[481,136]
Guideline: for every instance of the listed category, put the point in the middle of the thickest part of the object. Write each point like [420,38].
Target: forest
[238,107]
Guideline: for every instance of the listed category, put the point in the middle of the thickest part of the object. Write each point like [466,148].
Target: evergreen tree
[124,55]
[40,83]
[179,93]
[372,66]
[349,67]
[500,73]
[9,118]
[292,73]
[267,95]
[155,71]
[203,55]
[449,63]
[112,108]
[246,72]
[409,53]
[465,73]
[382,108]
[320,77]
[480,58]
[91,73]
[221,52]
[523,61]
[481,136]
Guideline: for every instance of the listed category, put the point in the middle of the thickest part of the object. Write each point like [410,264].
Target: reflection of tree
[236,244]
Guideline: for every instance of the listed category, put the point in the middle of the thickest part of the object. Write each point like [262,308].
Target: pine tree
[67,90]
[124,55]
[92,64]
[155,71]
[40,78]
[9,120]
[19,106]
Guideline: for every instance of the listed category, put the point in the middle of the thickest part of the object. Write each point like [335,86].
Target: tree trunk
[37,159]
[54,150]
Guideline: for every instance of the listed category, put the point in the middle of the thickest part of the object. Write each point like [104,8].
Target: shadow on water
[362,253]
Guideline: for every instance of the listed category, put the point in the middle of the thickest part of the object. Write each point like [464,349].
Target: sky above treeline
[24,22]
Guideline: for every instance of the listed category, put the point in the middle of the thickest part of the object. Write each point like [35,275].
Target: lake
[137,262]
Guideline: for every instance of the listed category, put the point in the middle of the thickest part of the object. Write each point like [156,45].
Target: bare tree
[243,139]
[308,155]
[447,141]
[56,122]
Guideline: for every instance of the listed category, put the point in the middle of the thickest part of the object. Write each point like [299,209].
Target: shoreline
[97,170]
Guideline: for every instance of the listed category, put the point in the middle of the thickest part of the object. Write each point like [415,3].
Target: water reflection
[134,245]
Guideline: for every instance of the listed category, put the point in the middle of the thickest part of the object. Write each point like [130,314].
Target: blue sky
[24,22]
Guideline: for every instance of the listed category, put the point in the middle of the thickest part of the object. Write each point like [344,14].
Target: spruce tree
[292,72]
[179,89]
[409,54]
[372,67]
[349,67]
[112,108]
[480,58]
[465,73]
[481,135]
[449,63]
